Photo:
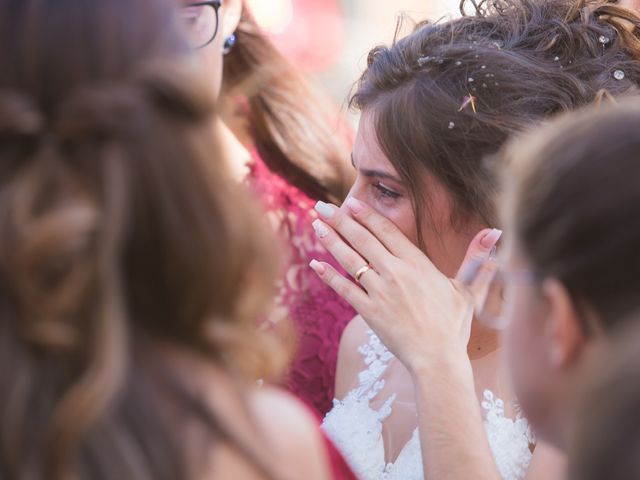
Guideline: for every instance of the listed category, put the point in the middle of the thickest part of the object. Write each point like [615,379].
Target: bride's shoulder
[355,335]
[350,360]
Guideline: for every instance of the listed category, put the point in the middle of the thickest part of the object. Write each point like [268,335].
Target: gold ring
[362,271]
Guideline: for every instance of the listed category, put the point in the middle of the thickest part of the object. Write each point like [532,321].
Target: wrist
[452,361]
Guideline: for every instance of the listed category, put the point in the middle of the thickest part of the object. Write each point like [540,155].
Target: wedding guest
[603,441]
[287,146]
[131,268]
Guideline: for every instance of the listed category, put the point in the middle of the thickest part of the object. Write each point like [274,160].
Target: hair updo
[523,61]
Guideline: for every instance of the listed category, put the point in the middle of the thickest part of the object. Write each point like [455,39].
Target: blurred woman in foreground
[131,269]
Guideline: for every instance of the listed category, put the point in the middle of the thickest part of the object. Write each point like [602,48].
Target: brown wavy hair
[297,135]
[523,61]
[122,239]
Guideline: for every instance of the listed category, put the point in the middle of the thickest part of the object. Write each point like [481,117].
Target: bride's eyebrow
[373,173]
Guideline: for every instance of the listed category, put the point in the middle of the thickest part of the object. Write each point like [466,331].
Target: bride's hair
[522,61]
[122,239]
[572,202]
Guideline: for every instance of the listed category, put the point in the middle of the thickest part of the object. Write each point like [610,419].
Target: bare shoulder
[350,361]
[548,463]
[270,426]
[292,432]
[354,335]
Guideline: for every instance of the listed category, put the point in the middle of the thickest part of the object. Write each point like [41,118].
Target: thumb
[479,250]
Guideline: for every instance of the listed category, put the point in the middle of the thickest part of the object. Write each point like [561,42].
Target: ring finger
[357,266]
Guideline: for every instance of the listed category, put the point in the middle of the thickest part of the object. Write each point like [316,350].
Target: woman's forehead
[367,152]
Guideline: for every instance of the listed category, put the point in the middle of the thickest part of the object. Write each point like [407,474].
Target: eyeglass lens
[200,23]
[492,312]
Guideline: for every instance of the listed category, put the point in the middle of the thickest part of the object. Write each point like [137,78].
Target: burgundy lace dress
[318,314]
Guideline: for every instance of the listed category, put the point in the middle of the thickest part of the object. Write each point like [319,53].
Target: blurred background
[329,39]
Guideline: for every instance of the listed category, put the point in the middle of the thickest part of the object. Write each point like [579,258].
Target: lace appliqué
[356,428]
[510,439]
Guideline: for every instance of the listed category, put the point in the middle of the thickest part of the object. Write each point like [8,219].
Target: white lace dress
[356,427]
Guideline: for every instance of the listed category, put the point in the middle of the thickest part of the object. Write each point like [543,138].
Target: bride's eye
[385,192]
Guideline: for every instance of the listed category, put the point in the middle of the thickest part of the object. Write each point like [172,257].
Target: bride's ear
[564,336]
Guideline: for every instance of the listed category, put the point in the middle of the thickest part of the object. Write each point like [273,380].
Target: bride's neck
[483,341]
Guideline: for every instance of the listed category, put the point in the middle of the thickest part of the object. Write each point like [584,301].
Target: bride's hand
[417,312]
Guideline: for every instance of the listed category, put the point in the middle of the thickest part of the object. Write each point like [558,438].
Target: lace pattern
[353,423]
[509,439]
[356,428]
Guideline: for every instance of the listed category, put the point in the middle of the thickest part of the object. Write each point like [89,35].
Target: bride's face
[379,185]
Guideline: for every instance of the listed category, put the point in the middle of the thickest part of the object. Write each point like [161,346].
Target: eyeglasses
[494,308]
[200,21]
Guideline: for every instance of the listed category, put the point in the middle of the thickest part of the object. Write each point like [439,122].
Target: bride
[433,106]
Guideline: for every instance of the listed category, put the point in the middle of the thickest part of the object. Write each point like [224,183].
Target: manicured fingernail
[355,205]
[317,267]
[320,228]
[491,238]
[325,210]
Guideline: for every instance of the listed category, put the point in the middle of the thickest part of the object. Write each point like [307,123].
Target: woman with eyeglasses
[132,268]
[434,105]
[287,146]
[572,211]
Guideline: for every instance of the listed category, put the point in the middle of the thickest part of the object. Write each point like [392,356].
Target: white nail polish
[324,209]
[317,267]
[320,228]
[491,238]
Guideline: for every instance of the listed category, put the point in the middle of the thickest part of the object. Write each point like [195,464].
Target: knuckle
[344,289]
[351,264]
[365,215]
[338,219]
[387,228]
[359,241]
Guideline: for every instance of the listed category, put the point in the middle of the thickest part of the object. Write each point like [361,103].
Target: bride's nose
[355,191]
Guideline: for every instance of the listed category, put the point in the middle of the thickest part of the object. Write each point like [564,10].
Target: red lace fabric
[318,314]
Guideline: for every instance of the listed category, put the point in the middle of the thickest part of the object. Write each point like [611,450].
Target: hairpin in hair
[618,74]
[468,100]
[604,40]
[423,60]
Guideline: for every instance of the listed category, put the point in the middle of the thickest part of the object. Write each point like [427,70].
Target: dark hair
[298,136]
[605,437]
[573,203]
[122,241]
[522,60]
